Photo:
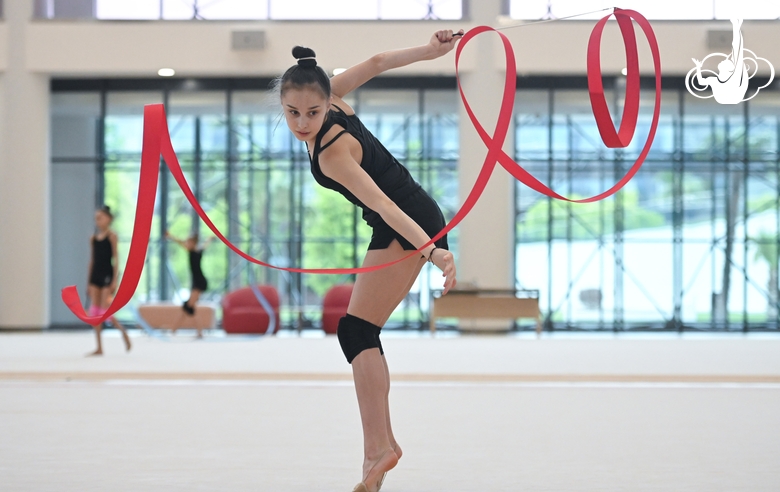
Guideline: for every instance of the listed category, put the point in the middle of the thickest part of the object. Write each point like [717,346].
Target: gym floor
[472,413]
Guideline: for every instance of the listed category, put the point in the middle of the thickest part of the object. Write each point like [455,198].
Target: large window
[251,9]
[253,179]
[691,242]
[652,9]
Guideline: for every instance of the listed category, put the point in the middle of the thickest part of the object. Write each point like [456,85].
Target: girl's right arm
[440,44]
[174,239]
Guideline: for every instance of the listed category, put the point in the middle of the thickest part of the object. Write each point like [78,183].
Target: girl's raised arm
[440,44]
[176,240]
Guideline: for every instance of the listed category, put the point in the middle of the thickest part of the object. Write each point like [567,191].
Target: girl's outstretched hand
[445,261]
[443,41]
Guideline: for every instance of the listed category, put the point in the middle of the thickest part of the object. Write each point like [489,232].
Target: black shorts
[100,278]
[200,283]
[422,209]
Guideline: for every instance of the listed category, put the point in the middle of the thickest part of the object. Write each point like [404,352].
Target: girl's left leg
[105,295]
[401,297]
[99,350]
[375,296]
[194,296]
[94,308]
[125,336]
[191,303]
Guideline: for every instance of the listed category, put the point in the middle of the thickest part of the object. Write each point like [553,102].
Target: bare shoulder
[339,149]
[337,101]
[338,142]
[339,157]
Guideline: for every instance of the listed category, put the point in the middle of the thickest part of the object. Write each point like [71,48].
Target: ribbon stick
[157,142]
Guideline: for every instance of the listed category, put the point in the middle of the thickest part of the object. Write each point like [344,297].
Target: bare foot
[398,451]
[96,352]
[373,471]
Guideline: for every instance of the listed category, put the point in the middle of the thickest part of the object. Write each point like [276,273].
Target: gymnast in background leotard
[103,273]
[199,282]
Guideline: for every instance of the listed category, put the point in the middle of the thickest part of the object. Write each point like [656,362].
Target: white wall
[24,181]
[3,46]
[109,48]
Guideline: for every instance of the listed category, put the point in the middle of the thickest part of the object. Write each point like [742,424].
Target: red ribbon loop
[157,142]
[596,88]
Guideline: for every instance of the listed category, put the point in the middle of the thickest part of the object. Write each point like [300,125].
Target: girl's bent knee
[356,335]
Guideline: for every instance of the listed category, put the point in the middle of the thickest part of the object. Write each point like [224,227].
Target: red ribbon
[157,142]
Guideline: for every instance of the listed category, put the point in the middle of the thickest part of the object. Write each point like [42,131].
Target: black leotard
[102,273]
[199,281]
[391,177]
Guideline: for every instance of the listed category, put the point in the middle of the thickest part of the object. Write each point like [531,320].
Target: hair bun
[106,210]
[305,56]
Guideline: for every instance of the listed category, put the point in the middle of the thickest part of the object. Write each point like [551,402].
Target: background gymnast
[347,158]
[199,282]
[103,273]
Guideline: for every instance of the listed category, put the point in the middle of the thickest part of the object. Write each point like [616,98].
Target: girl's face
[102,220]
[304,110]
[190,243]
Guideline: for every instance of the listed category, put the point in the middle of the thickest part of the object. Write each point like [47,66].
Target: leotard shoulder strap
[342,132]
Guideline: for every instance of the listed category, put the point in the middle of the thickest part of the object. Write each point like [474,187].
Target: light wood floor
[598,413]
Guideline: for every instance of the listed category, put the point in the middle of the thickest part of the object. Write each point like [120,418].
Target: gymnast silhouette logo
[730,84]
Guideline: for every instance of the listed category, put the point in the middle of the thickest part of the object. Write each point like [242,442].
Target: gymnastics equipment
[506,304]
[334,306]
[164,315]
[242,311]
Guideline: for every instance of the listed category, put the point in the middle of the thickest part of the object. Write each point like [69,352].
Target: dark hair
[194,237]
[304,73]
[106,210]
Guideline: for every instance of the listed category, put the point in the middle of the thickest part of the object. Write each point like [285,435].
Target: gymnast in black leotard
[390,176]
[347,158]
[199,282]
[103,272]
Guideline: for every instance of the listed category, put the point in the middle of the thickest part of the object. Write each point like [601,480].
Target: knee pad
[356,335]
[378,341]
